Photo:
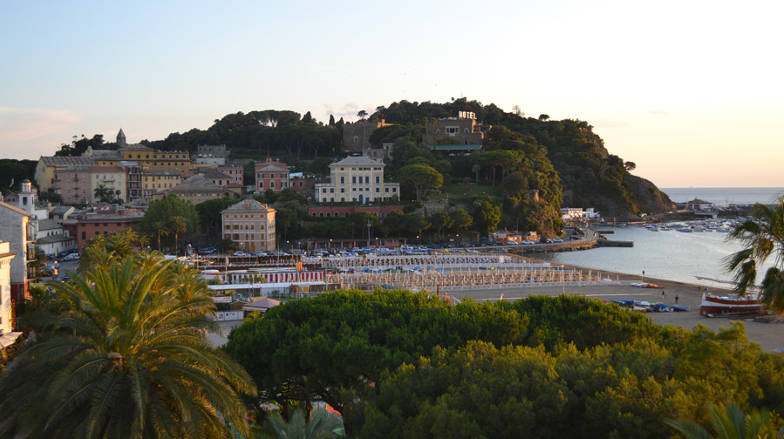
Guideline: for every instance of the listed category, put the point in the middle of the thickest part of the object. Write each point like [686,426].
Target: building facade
[17,228]
[235,172]
[6,307]
[356,136]
[47,167]
[211,155]
[250,224]
[356,179]
[154,183]
[271,175]
[94,222]
[463,129]
[197,189]
[151,159]
[109,178]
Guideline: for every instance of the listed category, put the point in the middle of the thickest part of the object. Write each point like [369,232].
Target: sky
[691,91]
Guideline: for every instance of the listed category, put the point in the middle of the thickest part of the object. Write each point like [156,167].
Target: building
[61,213]
[77,184]
[356,179]
[250,224]
[7,336]
[344,211]
[101,221]
[47,167]
[133,178]
[271,175]
[211,155]
[197,189]
[154,183]
[301,183]
[17,227]
[463,129]
[53,239]
[699,205]
[151,159]
[356,136]
[235,172]
[103,157]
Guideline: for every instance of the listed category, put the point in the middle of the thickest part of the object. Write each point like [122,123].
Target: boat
[712,305]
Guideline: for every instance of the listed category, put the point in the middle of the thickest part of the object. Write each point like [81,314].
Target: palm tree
[730,423]
[762,236]
[126,358]
[177,225]
[322,425]
[160,229]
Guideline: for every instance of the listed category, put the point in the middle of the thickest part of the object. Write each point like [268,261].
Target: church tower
[26,197]
[121,138]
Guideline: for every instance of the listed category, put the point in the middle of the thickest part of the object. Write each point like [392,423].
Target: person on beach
[676,299]
[663,295]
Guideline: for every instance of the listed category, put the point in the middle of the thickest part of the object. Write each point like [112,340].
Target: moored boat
[717,305]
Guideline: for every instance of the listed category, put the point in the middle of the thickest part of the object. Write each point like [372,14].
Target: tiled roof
[67,161]
[359,160]
[248,204]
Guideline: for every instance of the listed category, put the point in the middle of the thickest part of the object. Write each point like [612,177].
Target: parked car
[71,257]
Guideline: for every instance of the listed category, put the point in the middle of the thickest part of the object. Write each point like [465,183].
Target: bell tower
[121,138]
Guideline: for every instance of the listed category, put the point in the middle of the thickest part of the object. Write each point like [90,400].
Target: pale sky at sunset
[691,91]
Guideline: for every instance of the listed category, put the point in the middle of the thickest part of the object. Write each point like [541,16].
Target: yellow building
[250,224]
[151,159]
[156,181]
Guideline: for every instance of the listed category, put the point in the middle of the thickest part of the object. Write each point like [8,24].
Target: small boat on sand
[712,305]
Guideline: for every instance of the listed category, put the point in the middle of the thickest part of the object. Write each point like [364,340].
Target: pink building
[272,175]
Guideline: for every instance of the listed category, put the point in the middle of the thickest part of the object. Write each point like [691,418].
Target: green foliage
[313,348]
[170,217]
[210,216]
[398,364]
[762,236]
[730,422]
[107,195]
[321,425]
[421,177]
[79,145]
[487,215]
[126,357]
[15,171]
[105,250]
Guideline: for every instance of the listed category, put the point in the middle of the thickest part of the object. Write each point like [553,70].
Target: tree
[487,215]
[362,114]
[105,250]
[107,195]
[762,236]
[160,218]
[544,117]
[178,225]
[422,178]
[729,422]
[461,220]
[441,221]
[125,359]
[321,425]
[210,216]
[630,166]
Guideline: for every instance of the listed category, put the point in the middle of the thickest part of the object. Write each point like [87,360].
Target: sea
[697,257]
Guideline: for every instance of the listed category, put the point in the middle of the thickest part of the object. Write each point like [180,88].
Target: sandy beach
[770,336]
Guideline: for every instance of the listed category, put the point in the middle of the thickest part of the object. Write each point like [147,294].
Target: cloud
[658,112]
[22,125]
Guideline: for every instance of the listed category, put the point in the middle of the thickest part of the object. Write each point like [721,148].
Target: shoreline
[770,336]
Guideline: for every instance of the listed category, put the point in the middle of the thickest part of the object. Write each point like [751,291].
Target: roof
[213,173]
[67,161]
[136,147]
[15,209]
[106,154]
[107,169]
[248,204]
[358,160]
[196,182]
[47,224]
[456,147]
[60,210]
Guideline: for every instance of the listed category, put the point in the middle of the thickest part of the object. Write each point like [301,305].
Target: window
[272,184]
[378,179]
[342,199]
[367,179]
[331,190]
[261,175]
[378,190]
[354,180]
[386,189]
[394,189]
[324,190]
[261,184]
[342,180]
[342,190]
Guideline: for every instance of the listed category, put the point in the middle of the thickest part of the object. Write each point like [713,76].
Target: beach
[770,336]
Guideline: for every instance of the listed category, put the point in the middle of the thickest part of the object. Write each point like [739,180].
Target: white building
[6,314]
[250,224]
[356,179]
[578,214]
[53,239]
[18,228]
